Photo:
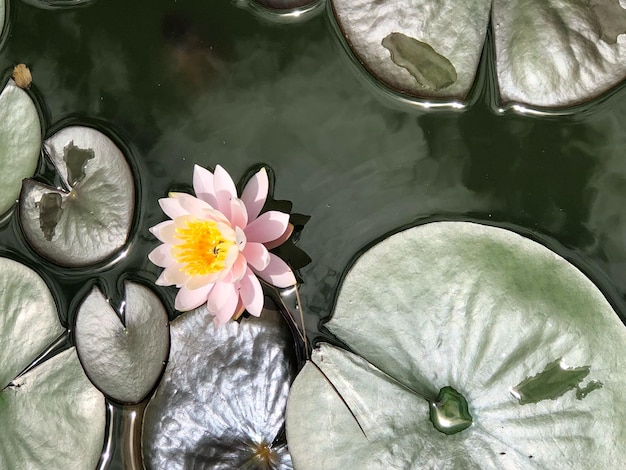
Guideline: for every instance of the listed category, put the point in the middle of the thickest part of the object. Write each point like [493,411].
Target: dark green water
[177,83]
[184,82]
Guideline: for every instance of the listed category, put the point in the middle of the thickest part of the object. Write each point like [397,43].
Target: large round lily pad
[222,398]
[549,53]
[90,218]
[532,346]
[20,139]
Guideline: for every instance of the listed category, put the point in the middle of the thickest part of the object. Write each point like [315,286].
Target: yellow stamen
[204,249]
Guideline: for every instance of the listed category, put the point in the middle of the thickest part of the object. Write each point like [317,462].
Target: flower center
[204,249]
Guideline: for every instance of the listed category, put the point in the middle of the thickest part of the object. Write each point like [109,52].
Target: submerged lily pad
[90,218]
[221,401]
[549,53]
[481,311]
[124,359]
[20,139]
[51,416]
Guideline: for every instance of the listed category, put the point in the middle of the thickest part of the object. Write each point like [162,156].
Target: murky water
[178,83]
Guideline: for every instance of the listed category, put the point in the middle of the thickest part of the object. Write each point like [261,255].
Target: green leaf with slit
[20,139]
[125,355]
[549,53]
[89,219]
[50,416]
[481,311]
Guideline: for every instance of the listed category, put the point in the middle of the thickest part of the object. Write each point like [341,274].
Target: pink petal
[254,194]
[267,227]
[172,275]
[162,256]
[238,270]
[238,214]
[280,240]
[226,312]
[203,185]
[196,282]
[225,190]
[191,204]
[251,293]
[278,273]
[158,228]
[188,299]
[221,295]
[256,255]
[172,208]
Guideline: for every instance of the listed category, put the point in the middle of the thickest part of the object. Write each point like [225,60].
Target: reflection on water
[211,84]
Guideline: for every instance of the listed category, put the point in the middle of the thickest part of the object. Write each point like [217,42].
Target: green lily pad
[89,219]
[221,401]
[50,416]
[28,318]
[468,319]
[123,358]
[20,139]
[2,15]
[549,53]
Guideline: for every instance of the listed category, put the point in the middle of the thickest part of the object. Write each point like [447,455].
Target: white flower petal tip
[217,244]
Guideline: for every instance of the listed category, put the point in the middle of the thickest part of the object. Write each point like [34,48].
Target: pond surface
[178,83]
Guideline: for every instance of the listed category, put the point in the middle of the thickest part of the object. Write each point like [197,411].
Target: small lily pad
[123,358]
[221,401]
[20,139]
[476,312]
[89,219]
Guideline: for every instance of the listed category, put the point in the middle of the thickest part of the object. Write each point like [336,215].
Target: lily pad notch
[89,219]
[549,55]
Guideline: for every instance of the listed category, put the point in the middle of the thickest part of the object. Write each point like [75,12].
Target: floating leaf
[90,218]
[50,414]
[459,316]
[20,140]
[221,401]
[51,417]
[549,53]
[123,358]
[437,32]
[553,53]
[28,318]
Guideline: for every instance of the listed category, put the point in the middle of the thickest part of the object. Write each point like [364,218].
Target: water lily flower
[217,244]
